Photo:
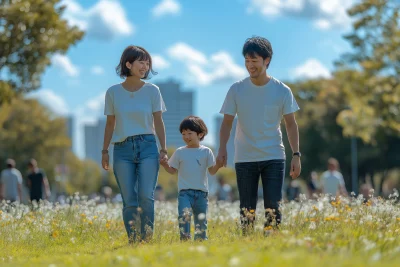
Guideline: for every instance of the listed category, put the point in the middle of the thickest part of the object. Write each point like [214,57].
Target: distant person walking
[11,182]
[332,182]
[134,115]
[37,181]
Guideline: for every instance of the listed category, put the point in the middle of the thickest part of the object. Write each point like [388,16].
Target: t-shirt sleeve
[290,104]
[210,159]
[174,160]
[41,171]
[341,180]
[109,104]
[229,105]
[158,102]
[19,175]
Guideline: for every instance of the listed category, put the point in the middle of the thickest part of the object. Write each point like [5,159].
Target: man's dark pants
[272,174]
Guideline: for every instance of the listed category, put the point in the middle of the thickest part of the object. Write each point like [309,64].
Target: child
[192,162]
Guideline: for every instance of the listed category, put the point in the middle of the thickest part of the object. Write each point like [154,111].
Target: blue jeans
[136,167]
[193,202]
[272,174]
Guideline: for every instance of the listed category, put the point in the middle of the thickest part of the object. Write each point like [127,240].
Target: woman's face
[138,68]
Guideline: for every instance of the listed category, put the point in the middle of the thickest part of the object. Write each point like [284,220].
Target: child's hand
[219,164]
[164,162]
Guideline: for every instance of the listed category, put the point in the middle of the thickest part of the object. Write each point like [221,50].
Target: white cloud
[97,70]
[65,64]
[96,104]
[183,52]
[325,14]
[105,20]
[166,7]
[51,100]
[159,62]
[91,110]
[219,68]
[311,69]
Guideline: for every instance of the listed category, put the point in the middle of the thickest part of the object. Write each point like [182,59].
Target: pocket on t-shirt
[271,114]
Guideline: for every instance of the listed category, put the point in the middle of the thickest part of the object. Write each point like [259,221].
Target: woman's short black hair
[257,46]
[195,124]
[131,54]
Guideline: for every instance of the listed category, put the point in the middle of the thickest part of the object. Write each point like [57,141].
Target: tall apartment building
[179,105]
[94,137]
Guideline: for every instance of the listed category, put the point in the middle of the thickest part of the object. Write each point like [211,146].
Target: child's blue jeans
[193,202]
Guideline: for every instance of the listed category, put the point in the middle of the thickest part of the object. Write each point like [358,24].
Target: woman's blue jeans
[136,166]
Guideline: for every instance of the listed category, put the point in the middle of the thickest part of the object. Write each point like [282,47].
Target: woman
[134,114]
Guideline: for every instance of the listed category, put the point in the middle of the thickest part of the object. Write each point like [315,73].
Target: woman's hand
[163,156]
[105,161]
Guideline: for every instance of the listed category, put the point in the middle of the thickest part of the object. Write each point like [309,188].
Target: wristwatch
[297,154]
[164,151]
[104,151]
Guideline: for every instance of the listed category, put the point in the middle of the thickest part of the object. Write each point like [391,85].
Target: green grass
[314,233]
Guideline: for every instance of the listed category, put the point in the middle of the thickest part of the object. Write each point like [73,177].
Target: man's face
[256,65]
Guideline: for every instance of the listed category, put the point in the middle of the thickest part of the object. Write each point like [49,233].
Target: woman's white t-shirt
[133,111]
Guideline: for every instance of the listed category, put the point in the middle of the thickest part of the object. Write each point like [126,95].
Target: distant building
[179,105]
[94,138]
[69,124]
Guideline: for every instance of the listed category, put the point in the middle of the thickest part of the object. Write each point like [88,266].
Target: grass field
[347,232]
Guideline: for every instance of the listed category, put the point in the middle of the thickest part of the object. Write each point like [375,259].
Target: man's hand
[295,167]
[105,161]
[222,157]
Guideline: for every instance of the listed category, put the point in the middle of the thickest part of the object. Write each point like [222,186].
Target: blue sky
[197,43]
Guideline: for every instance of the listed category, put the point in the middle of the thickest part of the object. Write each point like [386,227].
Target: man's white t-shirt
[259,110]
[331,182]
[192,165]
[10,179]
[133,115]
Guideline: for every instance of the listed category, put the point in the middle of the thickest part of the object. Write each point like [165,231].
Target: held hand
[105,161]
[219,164]
[295,167]
[222,157]
[163,156]
[164,162]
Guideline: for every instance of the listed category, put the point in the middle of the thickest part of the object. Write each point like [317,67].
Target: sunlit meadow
[320,232]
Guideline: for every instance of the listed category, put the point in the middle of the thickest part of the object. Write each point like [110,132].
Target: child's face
[191,138]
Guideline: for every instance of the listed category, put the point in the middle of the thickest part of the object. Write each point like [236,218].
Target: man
[36,181]
[11,182]
[332,181]
[260,101]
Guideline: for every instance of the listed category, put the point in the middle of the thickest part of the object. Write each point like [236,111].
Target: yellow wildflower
[267,228]
[55,234]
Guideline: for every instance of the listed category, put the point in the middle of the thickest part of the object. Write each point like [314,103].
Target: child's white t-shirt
[192,165]
[133,111]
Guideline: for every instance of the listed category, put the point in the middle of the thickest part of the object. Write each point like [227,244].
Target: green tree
[371,76]
[84,176]
[30,33]
[30,130]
